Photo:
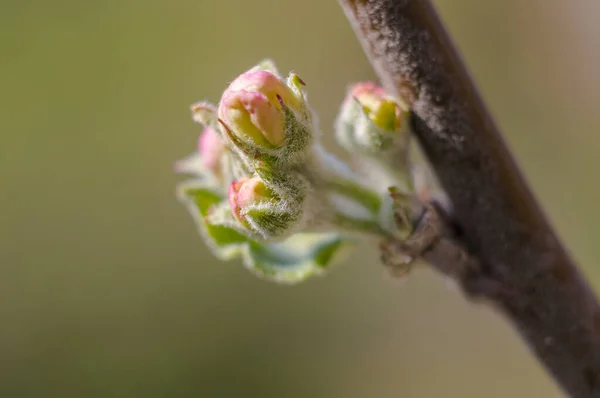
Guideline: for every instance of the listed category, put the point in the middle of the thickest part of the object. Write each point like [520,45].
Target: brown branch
[524,270]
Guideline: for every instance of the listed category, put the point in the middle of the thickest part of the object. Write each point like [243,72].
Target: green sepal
[272,223]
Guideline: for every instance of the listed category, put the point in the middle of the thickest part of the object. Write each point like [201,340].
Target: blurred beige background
[107,291]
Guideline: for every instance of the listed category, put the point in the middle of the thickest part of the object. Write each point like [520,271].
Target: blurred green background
[107,291]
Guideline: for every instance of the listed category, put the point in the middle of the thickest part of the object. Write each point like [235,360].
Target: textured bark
[522,267]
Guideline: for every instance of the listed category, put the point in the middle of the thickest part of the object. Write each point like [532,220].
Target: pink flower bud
[246,192]
[251,108]
[211,148]
[379,107]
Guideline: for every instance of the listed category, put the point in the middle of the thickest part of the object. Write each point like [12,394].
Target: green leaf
[200,199]
[296,258]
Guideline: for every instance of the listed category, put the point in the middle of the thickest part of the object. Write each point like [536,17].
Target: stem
[363,226]
[394,167]
[353,190]
[524,269]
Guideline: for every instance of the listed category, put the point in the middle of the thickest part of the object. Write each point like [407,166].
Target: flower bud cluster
[264,182]
[256,145]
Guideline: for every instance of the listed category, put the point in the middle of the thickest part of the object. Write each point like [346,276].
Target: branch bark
[523,268]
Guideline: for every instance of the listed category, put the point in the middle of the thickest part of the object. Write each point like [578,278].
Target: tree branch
[522,267]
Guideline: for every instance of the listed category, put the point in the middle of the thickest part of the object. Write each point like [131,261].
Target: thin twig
[524,270]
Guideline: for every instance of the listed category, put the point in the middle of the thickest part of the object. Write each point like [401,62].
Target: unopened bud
[377,105]
[250,116]
[370,120]
[246,193]
[259,208]
[211,148]
[262,114]
[252,108]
